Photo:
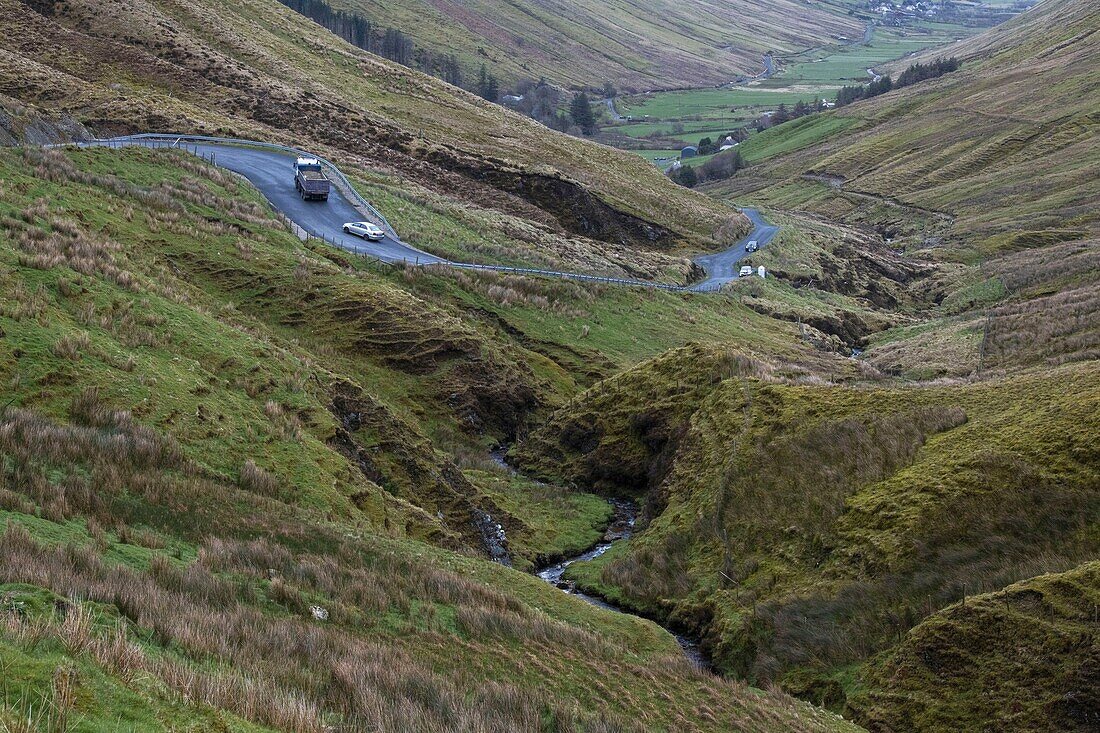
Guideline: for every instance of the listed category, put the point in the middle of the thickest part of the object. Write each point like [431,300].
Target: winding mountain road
[270,169]
[615,116]
[722,266]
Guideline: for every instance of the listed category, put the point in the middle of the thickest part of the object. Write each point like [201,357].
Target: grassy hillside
[1002,148]
[950,671]
[803,527]
[209,429]
[984,178]
[258,70]
[117,612]
[245,482]
[636,45]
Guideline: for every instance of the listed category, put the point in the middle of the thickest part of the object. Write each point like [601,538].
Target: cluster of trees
[719,168]
[541,101]
[580,110]
[854,93]
[445,66]
[800,109]
[912,75]
[358,30]
[708,146]
[785,114]
[487,85]
[920,72]
[389,43]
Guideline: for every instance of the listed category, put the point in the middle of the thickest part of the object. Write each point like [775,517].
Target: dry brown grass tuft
[286,670]
[71,346]
[258,481]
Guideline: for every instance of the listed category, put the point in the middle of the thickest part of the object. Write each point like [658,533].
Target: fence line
[159,140]
[175,140]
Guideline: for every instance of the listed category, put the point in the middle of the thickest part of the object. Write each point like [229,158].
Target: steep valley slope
[987,177]
[258,70]
[633,45]
[826,531]
[229,492]
[997,156]
[245,480]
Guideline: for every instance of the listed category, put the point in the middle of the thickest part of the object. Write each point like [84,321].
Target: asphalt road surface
[615,116]
[272,172]
[722,266]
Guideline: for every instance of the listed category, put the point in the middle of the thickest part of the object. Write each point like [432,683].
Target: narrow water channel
[624,514]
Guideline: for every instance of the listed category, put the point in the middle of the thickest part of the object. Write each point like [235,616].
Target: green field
[710,104]
[653,155]
[793,135]
[691,130]
[813,74]
[849,64]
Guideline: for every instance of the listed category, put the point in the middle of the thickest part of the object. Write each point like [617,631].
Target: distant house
[727,144]
[827,104]
[689,152]
[512,98]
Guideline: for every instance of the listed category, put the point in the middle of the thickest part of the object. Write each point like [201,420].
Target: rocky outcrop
[393,455]
[21,125]
[575,208]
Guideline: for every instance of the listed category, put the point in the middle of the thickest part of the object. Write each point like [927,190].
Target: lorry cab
[307,164]
[310,180]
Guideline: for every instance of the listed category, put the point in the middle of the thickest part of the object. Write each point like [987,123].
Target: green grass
[710,104]
[652,155]
[599,330]
[229,341]
[786,536]
[555,523]
[105,703]
[849,64]
[794,135]
[804,76]
[1038,636]
[692,133]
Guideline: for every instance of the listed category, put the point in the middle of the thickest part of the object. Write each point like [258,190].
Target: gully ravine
[619,529]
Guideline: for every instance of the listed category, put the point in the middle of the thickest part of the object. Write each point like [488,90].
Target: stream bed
[620,528]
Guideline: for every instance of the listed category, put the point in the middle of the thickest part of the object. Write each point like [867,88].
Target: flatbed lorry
[310,180]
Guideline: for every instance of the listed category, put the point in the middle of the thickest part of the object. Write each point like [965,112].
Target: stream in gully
[620,528]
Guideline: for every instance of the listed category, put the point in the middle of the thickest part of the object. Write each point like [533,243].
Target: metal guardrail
[174,141]
[338,176]
[573,276]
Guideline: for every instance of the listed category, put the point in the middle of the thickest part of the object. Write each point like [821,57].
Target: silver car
[752,246]
[364,229]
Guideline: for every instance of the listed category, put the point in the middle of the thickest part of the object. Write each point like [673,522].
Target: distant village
[896,13]
[922,9]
